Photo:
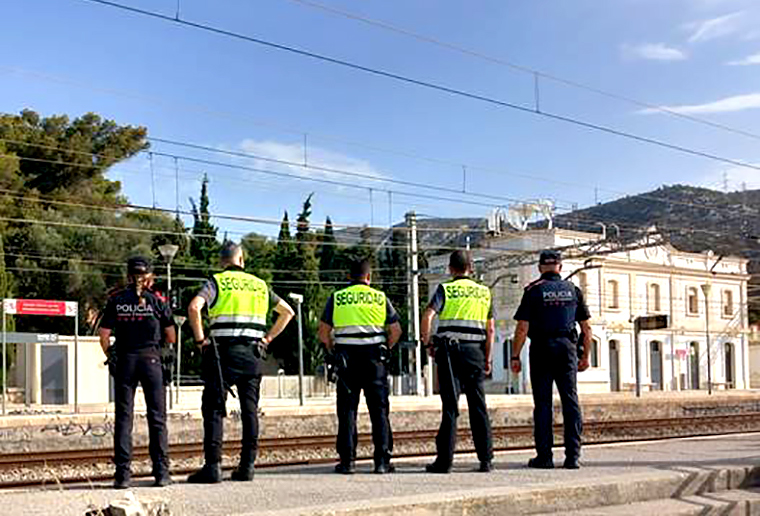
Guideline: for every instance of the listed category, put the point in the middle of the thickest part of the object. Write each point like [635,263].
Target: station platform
[712,475]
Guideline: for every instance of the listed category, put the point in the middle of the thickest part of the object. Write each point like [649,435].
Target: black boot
[486,466]
[122,479]
[541,463]
[243,473]
[163,479]
[384,467]
[437,467]
[208,474]
[345,468]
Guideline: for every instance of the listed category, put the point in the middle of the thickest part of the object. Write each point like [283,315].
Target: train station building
[704,296]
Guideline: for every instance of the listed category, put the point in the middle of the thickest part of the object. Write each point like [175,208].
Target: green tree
[204,246]
[66,231]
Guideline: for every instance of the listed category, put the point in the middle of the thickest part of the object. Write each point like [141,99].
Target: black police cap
[139,265]
[549,256]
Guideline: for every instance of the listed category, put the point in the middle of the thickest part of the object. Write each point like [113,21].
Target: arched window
[613,292]
[692,301]
[653,297]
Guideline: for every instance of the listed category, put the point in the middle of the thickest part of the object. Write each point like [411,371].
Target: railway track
[318,449]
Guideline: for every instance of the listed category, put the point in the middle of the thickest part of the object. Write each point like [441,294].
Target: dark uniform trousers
[468,362]
[140,367]
[366,372]
[241,369]
[555,360]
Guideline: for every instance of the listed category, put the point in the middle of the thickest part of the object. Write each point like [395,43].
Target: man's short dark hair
[550,257]
[229,250]
[137,265]
[460,261]
[359,269]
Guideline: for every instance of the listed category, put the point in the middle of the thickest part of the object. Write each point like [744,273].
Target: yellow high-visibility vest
[359,315]
[241,306]
[465,310]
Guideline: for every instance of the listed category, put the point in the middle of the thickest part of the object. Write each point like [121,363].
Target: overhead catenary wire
[535,73]
[175,157]
[164,102]
[428,85]
[577,218]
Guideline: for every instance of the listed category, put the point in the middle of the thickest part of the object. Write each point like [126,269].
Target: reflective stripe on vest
[241,307]
[465,310]
[359,313]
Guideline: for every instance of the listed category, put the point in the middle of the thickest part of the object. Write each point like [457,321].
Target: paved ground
[295,490]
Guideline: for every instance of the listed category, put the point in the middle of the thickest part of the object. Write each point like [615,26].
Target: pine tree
[204,246]
[327,253]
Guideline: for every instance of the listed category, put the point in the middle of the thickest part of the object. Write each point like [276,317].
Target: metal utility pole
[414,300]
[706,287]
[298,299]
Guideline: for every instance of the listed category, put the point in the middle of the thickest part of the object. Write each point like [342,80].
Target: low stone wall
[511,417]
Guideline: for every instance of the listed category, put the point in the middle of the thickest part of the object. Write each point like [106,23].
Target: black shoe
[163,480]
[436,467]
[208,474]
[242,474]
[486,467]
[384,467]
[345,468]
[122,480]
[539,463]
[571,463]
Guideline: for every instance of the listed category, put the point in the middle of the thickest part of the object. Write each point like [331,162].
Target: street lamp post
[298,299]
[706,291]
[179,320]
[168,251]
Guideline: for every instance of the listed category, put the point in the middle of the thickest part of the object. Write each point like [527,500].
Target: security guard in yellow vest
[238,304]
[465,321]
[358,322]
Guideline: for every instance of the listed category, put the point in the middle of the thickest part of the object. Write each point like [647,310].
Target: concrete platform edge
[677,483]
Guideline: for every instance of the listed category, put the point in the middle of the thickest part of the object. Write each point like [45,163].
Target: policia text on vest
[464,343]
[357,323]
[238,305]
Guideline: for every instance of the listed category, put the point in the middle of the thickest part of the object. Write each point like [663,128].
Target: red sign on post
[40,307]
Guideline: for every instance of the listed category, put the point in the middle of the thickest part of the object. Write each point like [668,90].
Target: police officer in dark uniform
[141,321]
[463,357]
[547,314]
[238,304]
[357,323]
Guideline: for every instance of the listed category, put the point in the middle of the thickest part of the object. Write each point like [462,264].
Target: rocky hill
[692,219]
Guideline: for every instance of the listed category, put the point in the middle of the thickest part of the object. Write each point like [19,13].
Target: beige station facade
[646,278]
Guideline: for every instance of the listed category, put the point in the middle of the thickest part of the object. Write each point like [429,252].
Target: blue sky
[699,57]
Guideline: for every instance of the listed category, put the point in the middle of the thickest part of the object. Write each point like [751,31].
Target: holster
[168,359]
[111,360]
[336,364]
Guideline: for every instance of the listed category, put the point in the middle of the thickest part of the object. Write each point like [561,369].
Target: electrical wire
[164,102]
[524,69]
[428,85]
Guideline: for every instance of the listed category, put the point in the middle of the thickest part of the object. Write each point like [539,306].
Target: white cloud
[715,28]
[754,59]
[725,105]
[654,52]
[322,163]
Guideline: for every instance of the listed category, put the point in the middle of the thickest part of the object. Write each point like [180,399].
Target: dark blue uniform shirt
[552,306]
[138,322]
